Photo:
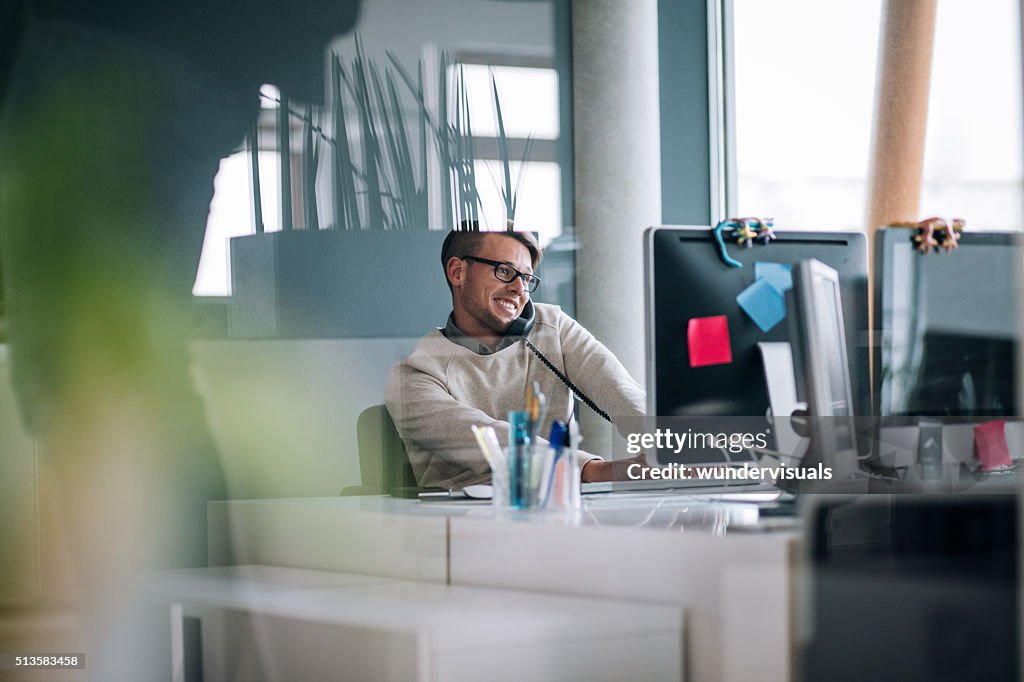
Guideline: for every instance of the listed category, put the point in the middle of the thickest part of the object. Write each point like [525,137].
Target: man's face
[490,304]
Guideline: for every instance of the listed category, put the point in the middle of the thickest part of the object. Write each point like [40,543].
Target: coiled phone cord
[565,380]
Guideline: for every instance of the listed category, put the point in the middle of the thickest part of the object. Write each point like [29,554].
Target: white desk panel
[351,535]
[695,571]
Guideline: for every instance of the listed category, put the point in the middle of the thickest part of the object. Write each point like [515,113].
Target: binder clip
[743,231]
[932,234]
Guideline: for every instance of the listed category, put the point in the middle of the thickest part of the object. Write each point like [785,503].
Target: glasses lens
[504,273]
[532,283]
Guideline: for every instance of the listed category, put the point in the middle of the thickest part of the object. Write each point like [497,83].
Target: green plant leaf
[346,206]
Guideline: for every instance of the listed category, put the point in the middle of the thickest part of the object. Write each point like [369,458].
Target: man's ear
[455,270]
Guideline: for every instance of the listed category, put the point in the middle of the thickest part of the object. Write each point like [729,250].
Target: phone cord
[565,380]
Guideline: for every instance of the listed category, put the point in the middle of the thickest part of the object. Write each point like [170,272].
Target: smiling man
[476,368]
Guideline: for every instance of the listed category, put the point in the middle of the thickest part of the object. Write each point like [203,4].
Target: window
[525,44]
[231,216]
[804,101]
[529,108]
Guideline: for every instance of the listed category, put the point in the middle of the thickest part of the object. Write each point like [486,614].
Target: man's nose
[518,285]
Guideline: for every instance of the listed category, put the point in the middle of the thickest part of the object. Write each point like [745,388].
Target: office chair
[383,463]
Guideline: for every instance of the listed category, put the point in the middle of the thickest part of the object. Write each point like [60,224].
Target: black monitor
[946,323]
[685,279]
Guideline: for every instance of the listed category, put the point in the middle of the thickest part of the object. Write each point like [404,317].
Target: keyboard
[687,486]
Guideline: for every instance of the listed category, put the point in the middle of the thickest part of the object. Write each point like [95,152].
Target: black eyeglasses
[506,273]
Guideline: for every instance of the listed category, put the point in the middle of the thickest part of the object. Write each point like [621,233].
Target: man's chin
[503,320]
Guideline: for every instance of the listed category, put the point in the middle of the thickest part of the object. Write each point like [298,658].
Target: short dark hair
[468,243]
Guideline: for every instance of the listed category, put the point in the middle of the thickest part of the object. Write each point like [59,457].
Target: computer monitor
[685,280]
[818,340]
[946,323]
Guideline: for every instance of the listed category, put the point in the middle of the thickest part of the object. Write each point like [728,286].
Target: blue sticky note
[763,303]
[778,275]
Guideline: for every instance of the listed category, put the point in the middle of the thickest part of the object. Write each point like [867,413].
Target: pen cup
[521,485]
[499,490]
[565,490]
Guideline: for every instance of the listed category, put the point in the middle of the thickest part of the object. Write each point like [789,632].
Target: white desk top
[716,514]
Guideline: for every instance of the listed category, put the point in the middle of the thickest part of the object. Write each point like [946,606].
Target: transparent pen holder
[536,479]
[520,489]
[499,490]
[534,475]
[564,493]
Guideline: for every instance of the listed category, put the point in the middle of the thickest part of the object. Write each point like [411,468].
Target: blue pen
[519,460]
[558,440]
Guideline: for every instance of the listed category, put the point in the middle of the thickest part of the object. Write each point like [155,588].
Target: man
[476,368]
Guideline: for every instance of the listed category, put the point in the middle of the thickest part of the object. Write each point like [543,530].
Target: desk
[734,586]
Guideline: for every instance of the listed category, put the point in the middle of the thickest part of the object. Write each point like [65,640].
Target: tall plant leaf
[503,155]
[444,141]
[254,159]
[392,190]
[398,150]
[346,209]
[284,151]
[408,181]
[311,161]
[370,141]
[439,132]
[519,176]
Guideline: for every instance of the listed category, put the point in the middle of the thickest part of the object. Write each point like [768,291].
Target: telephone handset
[521,327]
[524,323]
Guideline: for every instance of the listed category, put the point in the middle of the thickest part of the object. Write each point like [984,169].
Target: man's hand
[596,470]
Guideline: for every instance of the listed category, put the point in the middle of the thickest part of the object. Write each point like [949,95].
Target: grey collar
[455,335]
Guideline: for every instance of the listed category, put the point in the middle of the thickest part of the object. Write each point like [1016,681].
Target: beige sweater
[437,393]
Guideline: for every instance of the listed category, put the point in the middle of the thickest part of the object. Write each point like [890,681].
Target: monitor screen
[947,326]
[685,280]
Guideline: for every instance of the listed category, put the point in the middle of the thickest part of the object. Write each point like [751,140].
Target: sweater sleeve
[599,374]
[433,424]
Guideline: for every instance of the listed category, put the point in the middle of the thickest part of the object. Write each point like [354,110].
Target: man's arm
[439,426]
[431,420]
[599,374]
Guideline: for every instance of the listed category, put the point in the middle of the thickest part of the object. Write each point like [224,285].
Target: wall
[283,413]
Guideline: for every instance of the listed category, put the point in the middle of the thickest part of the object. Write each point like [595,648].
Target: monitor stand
[780,380]
[793,446]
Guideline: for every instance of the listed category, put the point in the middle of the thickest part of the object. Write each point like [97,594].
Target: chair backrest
[383,462]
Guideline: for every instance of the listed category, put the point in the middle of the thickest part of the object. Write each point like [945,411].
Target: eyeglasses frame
[530,282]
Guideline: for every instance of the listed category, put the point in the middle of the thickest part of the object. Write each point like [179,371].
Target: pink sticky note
[990,445]
[707,339]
